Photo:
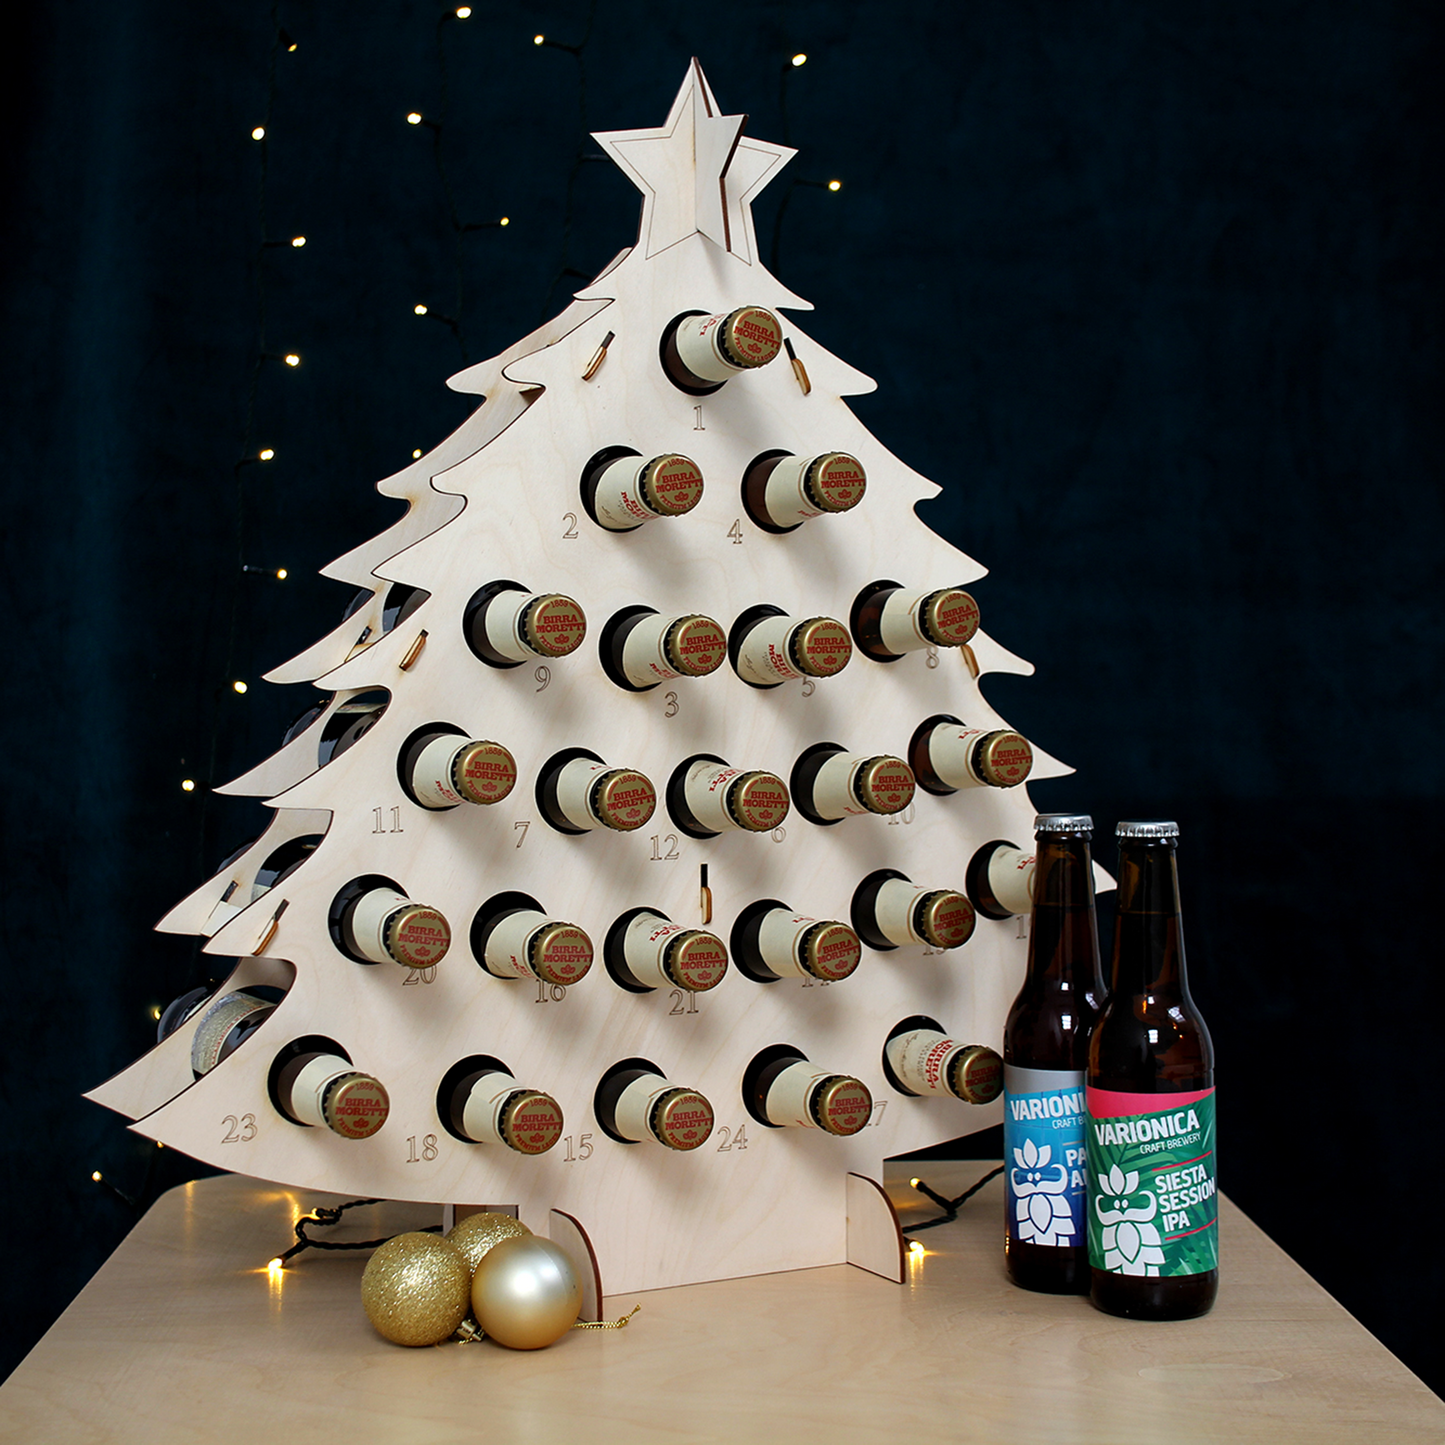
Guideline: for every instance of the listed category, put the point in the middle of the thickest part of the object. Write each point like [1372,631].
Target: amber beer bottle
[1045,1051]
[1153,1215]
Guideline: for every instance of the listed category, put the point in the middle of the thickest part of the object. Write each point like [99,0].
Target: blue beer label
[1044,1153]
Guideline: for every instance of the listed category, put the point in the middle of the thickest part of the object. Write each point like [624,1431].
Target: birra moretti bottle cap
[552,625]
[1063,824]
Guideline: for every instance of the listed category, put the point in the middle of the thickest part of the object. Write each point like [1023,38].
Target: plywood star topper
[697,172]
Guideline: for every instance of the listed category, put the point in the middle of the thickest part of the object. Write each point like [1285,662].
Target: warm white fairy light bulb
[799,59]
[292,359]
[464,12]
[238,687]
[413,117]
[188,785]
[419,309]
[298,241]
[415,453]
[505,221]
[259,133]
[281,574]
[835,185]
[95,1175]
[266,453]
[538,39]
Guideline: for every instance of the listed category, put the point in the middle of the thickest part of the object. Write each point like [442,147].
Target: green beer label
[1152,1207]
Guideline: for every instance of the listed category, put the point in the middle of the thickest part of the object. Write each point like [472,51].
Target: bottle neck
[1064,931]
[1148,936]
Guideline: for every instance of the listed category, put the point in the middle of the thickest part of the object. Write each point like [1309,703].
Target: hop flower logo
[1130,1243]
[1041,1210]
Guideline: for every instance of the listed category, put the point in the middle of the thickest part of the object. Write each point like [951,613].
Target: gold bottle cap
[695,960]
[750,336]
[671,485]
[416,935]
[884,785]
[1003,759]
[484,772]
[560,953]
[830,951]
[834,481]
[623,799]
[842,1105]
[695,645]
[820,647]
[530,1122]
[758,802]
[976,1074]
[355,1106]
[681,1119]
[553,625]
[948,617]
[944,918]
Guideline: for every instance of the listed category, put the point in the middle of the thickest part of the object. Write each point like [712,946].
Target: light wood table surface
[183,1336]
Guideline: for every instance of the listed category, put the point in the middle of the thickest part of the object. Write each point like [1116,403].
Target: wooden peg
[799,370]
[271,928]
[598,357]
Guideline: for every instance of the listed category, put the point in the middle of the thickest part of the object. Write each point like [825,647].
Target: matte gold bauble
[416,1289]
[477,1233]
[525,1293]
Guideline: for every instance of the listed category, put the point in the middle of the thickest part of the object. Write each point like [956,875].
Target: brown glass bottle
[1153,1217]
[889,620]
[700,353]
[1045,1051]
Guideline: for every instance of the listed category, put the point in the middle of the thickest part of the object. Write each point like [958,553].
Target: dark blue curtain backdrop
[1150,290]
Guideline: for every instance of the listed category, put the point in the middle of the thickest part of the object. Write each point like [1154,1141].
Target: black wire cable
[949,1206]
[324,1218]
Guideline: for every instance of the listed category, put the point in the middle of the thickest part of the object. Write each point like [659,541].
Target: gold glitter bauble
[525,1293]
[416,1289]
[477,1233]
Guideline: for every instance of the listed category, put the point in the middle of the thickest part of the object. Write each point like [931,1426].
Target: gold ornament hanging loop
[607,1324]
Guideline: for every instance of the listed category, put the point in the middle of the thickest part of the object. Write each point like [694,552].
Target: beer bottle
[621,489]
[312,1082]
[828,784]
[771,942]
[641,647]
[700,353]
[578,793]
[636,1102]
[1045,1051]
[782,491]
[513,936]
[889,619]
[506,625]
[371,920]
[782,1089]
[1153,1216]
[767,647]
[646,950]
[480,1102]
[891,911]
[707,796]
[440,766]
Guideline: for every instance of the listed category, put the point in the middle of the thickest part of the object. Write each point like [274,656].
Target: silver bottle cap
[1147,830]
[1063,823]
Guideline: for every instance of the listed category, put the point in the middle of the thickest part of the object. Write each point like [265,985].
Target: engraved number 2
[569,531]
